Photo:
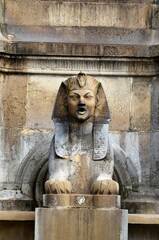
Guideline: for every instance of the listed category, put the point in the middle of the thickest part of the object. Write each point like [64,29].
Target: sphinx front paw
[105,187]
[54,186]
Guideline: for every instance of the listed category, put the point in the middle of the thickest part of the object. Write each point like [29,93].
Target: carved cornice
[72,65]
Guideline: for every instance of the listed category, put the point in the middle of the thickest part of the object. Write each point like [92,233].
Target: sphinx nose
[81,104]
[81,101]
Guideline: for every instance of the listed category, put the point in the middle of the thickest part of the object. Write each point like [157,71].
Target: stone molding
[72,65]
[77,49]
[30,216]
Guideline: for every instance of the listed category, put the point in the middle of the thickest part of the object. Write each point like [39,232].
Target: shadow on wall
[124,172]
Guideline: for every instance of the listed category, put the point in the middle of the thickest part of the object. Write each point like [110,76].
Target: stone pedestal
[81,217]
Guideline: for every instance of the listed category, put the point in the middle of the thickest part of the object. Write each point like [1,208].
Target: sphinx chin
[82,116]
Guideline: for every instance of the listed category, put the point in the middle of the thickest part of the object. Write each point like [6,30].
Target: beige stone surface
[1,11]
[143,219]
[14,100]
[64,14]
[80,224]
[1,100]
[141,104]
[114,15]
[17,216]
[41,94]
[77,14]
[118,92]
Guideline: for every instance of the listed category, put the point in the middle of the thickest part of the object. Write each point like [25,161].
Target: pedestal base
[81,217]
[81,200]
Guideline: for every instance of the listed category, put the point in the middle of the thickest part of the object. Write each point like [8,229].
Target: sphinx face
[81,104]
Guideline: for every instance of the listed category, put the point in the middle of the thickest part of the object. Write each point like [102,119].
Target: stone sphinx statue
[81,158]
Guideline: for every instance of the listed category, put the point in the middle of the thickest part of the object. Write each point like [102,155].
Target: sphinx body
[81,159]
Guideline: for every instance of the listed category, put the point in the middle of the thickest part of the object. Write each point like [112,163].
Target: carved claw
[57,186]
[105,187]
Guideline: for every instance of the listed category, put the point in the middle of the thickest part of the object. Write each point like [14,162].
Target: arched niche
[31,168]
[124,171]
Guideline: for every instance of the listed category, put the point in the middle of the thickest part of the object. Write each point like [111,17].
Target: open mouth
[81,109]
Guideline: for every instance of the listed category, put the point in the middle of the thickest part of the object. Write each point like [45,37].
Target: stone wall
[44,42]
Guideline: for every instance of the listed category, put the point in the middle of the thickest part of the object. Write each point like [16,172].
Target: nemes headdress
[101,115]
[82,81]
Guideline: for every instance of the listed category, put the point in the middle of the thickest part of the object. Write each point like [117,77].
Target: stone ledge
[104,66]
[143,218]
[17,216]
[30,216]
[80,35]
[78,49]
[81,201]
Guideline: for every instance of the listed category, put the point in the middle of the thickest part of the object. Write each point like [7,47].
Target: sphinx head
[82,97]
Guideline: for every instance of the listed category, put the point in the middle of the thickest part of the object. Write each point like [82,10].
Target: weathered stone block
[136,146]
[81,200]
[111,15]
[64,14]
[154,168]
[77,14]
[1,100]
[118,92]
[41,95]
[80,224]
[16,12]
[155,17]
[141,104]
[155,104]
[14,100]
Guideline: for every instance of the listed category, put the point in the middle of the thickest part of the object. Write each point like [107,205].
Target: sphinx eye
[89,96]
[73,96]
